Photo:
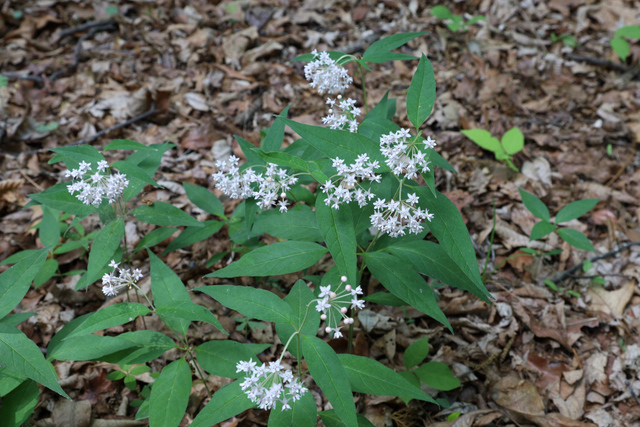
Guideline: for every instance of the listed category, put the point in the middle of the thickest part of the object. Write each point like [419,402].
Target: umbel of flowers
[93,187]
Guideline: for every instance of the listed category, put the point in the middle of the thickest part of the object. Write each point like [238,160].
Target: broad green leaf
[441,12]
[621,47]
[484,139]
[77,154]
[147,160]
[108,317]
[385,298]
[250,152]
[227,402]
[15,319]
[330,418]
[253,303]
[104,246]
[147,346]
[170,395]
[372,377]
[49,231]
[513,141]
[576,238]
[18,256]
[219,357]
[534,205]
[449,228]
[167,287]
[277,258]
[275,135]
[155,237]
[9,380]
[630,32]
[336,226]
[541,229]
[58,197]
[299,299]
[15,282]
[189,311]
[437,375]
[18,405]
[133,171]
[63,333]
[161,213]
[22,356]
[380,51]
[284,160]
[191,235]
[440,161]
[71,245]
[307,57]
[295,224]
[126,144]
[421,94]
[89,347]
[204,199]
[432,260]
[303,413]
[331,377]
[416,352]
[575,210]
[405,283]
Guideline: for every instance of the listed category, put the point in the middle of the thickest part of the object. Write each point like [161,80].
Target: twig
[593,276]
[18,76]
[87,26]
[599,62]
[103,132]
[572,270]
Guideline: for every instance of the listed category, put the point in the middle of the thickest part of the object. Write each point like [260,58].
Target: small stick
[87,26]
[599,62]
[572,270]
[103,132]
[36,79]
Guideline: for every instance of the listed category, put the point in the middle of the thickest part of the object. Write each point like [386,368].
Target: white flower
[346,118]
[334,305]
[403,154]
[348,188]
[325,74]
[112,283]
[93,189]
[266,386]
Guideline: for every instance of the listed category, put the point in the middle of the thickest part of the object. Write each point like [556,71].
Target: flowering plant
[361,191]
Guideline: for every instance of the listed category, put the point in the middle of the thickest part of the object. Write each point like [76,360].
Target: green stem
[204,380]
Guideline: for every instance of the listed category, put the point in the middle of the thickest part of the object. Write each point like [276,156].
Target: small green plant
[128,374]
[620,45]
[434,374]
[566,39]
[557,289]
[571,211]
[245,324]
[512,143]
[112,10]
[452,21]
[47,127]
[3,80]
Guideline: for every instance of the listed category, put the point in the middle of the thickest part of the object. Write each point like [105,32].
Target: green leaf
[116,375]
[405,283]
[49,231]
[441,12]
[104,246]
[551,285]
[58,197]
[295,224]
[253,303]
[167,287]
[299,299]
[422,93]
[189,311]
[303,413]
[204,199]
[630,32]
[449,228]
[108,317]
[18,405]
[140,369]
[22,356]
[416,352]
[331,419]
[146,346]
[621,47]
[278,258]
[576,238]
[513,141]
[161,213]
[437,375]
[273,140]
[385,298]
[575,210]
[227,402]
[432,260]
[380,51]
[336,226]
[77,154]
[484,139]
[541,229]
[15,282]
[155,237]
[331,377]
[9,380]
[4,81]
[89,347]
[220,357]
[132,170]
[284,160]
[15,319]
[534,205]
[18,256]
[191,235]
[170,395]
[372,377]
[126,144]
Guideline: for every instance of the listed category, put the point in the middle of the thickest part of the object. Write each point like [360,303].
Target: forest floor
[196,73]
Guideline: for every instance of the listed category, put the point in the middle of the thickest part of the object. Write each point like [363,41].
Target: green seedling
[452,21]
[512,143]
[128,374]
[620,45]
[566,39]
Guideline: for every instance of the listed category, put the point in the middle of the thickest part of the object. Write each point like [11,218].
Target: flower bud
[323,317]
[343,310]
[343,279]
[348,288]
[332,295]
[327,329]
[283,195]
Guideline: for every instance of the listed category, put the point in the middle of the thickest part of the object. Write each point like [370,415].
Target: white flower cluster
[346,118]
[325,74]
[395,216]
[267,187]
[267,384]
[111,283]
[348,188]
[333,306]
[92,188]
[403,155]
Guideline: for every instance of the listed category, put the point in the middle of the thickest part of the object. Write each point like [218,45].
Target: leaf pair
[512,143]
